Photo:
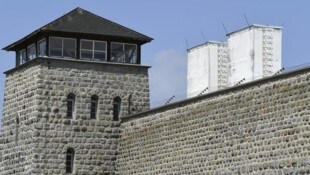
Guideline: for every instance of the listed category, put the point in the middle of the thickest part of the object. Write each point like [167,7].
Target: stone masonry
[35,132]
[262,127]
[19,111]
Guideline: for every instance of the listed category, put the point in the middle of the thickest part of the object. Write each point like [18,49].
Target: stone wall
[41,93]
[19,111]
[261,127]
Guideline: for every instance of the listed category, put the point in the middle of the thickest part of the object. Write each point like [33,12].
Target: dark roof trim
[216,93]
[11,46]
[55,26]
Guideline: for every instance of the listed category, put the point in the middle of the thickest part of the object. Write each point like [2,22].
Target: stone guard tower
[74,79]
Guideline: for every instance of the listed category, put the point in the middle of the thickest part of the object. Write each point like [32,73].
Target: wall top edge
[181,103]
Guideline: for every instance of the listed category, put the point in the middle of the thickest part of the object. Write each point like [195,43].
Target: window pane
[117,47]
[70,108]
[22,56]
[86,54]
[56,43]
[131,52]
[69,53]
[93,106]
[55,52]
[70,105]
[100,46]
[99,56]
[93,111]
[69,112]
[116,108]
[118,57]
[130,47]
[88,45]
[68,157]
[131,58]
[31,52]
[69,43]
[115,111]
[69,161]
[42,48]
[69,48]
[56,47]
[117,54]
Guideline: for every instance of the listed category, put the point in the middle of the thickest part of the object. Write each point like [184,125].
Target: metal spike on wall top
[169,100]
[242,80]
[202,92]
[279,71]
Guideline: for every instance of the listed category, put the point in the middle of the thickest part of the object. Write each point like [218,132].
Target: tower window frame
[93,106]
[59,47]
[93,49]
[116,108]
[70,105]
[69,160]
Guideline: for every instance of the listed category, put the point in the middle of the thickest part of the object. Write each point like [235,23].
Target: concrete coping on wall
[74,60]
[279,28]
[181,103]
[206,44]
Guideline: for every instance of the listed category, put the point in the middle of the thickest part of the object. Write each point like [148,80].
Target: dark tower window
[93,106]
[70,105]
[69,160]
[42,47]
[62,47]
[123,53]
[116,108]
[129,104]
[17,130]
[31,50]
[93,50]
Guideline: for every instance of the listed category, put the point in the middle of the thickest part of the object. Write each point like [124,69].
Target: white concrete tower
[250,53]
[254,52]
[207,68]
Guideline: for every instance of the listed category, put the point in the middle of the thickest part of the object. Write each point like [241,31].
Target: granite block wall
[19,113]
[261,127]
[39,99]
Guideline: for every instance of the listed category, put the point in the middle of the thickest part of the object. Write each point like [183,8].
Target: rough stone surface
[36,133]
[257,128]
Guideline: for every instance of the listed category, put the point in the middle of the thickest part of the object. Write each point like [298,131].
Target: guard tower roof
[80,21]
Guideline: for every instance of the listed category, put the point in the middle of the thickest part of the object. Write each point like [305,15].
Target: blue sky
[170,23]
